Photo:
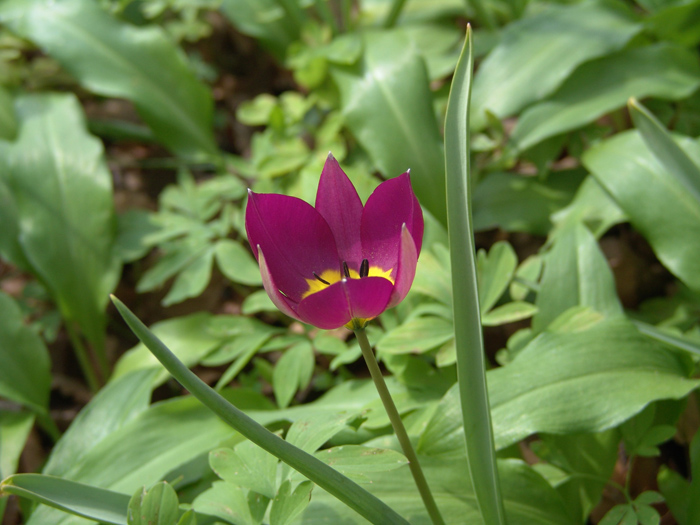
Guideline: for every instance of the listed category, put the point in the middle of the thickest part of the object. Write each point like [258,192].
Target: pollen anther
[346,270]
[364,268]
[318,277]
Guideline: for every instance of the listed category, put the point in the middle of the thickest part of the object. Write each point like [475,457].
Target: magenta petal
[406,269]
[280,301]
[343,301]
[392,205]
[294,237]
[338,203]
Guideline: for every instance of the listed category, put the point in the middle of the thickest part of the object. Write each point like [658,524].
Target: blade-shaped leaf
[469,342]
[75,498]
[115,59]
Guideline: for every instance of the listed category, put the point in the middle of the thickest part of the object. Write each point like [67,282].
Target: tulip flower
[340,263]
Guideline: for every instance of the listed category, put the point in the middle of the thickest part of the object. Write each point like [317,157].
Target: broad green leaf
[521,204]
[134,226]
[526,277]
[509,313]
[676,22]
[310,433]
[603,85]
[571,382]
[537,53]
[433,275]
[25,375]
[576,273]
[177,257]
[495,271]
[115,59]
[656,202]
[62,193]
[287,505]
[8,119]
[236,263]
[683,497]
[528,498]
[387,105]
[155,506]
[416,335]
[14,429]
[115,405]
[248,466]
[292,372]
[258,302]
[68,496]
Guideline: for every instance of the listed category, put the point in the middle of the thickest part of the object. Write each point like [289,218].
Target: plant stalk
[83,358]
[399,429]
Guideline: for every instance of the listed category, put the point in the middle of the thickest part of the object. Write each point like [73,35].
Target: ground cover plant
[306,261]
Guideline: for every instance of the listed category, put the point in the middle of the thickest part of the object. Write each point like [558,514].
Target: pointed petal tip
[330,156]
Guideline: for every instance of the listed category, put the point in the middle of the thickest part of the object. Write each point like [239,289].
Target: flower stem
[399,429]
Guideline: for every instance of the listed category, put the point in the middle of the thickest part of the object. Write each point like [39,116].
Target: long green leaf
[115,59]
[387,105]
[326,477]
[468,335]
[82,500]
[65,224]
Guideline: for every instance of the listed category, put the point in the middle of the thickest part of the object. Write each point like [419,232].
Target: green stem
[83,358]
[393,16]
[399,429]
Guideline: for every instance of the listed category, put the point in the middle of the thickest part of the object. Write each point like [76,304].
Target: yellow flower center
[327,277]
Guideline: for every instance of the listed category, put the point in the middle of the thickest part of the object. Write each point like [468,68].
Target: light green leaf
[226,501]
[24,360]
[528,272]
[248,466]
[236,263]
[601,86]
[114,59]
[62,193]
[509,313]
[155,506]
[14,429]
[310,433]
[417,335]
[192,280]
[258,302]
[292,372]
[387,104]
[113,406]
[68,496]
[576,273]
[360,462]
[495,271]
[537,53]
[287,505]
[573,382]
[658,205]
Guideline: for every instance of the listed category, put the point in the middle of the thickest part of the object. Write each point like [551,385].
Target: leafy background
[129,132]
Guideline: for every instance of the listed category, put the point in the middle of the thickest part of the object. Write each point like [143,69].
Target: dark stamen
[346,270]
[317,276]
[364,268]
[280,291]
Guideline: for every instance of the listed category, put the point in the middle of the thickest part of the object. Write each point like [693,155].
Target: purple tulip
[340,263]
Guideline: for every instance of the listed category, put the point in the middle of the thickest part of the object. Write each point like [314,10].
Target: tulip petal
[406,268]
[392,205]
[296,240]
[285,305]
[337,201]
[345,300]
